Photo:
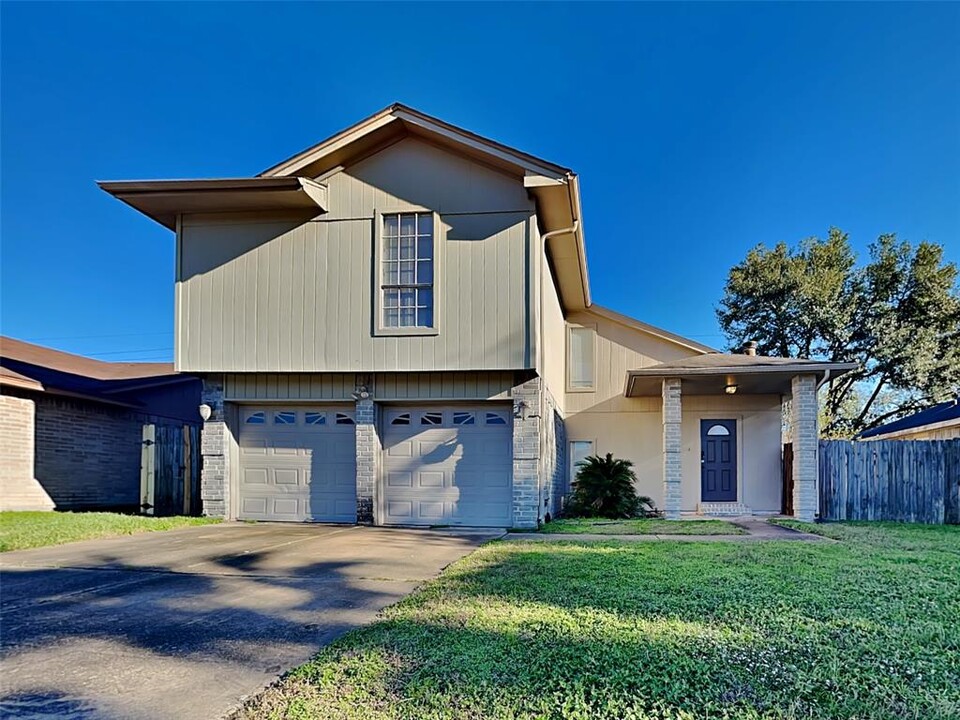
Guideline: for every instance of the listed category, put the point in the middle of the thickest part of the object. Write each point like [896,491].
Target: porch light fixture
[520,409]
[730,389]
[205,412]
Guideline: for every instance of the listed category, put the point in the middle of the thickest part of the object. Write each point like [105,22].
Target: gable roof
[555,188]
[653,330]
[44,357]
[940,413]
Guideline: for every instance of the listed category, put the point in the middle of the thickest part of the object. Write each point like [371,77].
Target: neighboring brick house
[71,427]
[395,326]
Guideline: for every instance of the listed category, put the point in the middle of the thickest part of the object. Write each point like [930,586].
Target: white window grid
[407,270]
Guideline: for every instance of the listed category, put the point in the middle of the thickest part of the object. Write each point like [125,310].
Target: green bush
[604,487]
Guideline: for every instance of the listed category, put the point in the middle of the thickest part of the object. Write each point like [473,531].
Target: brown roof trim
[12,378]
[635,324]
[400,112]
[797,368]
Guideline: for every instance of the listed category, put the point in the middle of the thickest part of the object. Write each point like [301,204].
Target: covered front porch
[724,421]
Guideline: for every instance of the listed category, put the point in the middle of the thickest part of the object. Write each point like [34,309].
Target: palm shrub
[604,488]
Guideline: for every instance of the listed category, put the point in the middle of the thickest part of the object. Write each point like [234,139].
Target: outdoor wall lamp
[520,409]
[730,389]
[205,412]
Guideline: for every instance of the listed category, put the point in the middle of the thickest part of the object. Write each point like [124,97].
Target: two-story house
[395,326]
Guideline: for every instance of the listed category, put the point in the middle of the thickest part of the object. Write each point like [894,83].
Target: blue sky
[698,131]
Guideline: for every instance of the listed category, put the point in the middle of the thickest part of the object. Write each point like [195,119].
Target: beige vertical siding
[246,387]
[289,296]
[618,349]
[288,386]
[553,362]
[443,386]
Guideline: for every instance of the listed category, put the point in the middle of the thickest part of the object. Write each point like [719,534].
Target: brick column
[671,413]
[19,489]
[526,454]
[805,436]
[214,448]
[368,450]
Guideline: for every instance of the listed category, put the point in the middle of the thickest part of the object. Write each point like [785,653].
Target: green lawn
[21,530]
[867,628]
[649,526]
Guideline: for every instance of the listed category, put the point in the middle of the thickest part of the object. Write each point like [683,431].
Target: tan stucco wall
[758,446]
[635,433]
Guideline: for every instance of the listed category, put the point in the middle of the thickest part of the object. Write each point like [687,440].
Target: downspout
[540,355]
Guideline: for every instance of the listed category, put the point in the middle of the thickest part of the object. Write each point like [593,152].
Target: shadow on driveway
[184,624]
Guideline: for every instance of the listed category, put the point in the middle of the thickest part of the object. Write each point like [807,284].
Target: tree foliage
[897,316]
[604,487]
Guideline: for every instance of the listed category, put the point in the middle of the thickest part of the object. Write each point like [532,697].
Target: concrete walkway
[183,624]
[757,529]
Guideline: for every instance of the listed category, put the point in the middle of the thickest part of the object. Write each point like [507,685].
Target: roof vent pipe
[750,348]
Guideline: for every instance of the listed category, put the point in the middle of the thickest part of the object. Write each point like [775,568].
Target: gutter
[542,260]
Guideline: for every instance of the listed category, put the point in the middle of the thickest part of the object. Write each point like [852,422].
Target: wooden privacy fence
[901,480]
[170,470]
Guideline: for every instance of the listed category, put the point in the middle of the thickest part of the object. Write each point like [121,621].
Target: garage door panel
[297,470]
[457,472]
[399,479]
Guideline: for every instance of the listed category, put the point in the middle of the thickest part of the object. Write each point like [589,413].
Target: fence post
[148,454]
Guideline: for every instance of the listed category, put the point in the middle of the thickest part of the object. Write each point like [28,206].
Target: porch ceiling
[710,374]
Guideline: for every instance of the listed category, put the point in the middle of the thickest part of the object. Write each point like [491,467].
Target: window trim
[571,467]
[439,233]
[567,347]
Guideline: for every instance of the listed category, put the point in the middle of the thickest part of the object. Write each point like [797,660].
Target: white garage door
[448,466]
[298,463]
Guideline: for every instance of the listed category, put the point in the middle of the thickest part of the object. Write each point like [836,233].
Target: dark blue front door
[718,460]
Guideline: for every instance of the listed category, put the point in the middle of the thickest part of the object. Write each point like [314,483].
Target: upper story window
[407,270]
[581,357]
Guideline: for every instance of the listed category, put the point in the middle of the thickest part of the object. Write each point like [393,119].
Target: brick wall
[555,455]
[368,448]
[87,455]
[672,447]
[804,419]
[19,490]
[214,448]
[526,454]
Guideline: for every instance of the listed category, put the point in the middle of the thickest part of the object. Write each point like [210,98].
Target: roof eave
[163,200]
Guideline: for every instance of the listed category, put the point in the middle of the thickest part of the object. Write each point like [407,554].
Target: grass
[22,530]
[866,629]
[646,526]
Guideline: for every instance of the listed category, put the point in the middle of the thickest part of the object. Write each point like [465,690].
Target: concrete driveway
[183,624]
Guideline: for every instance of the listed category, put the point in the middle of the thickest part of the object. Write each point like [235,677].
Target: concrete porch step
[734,509]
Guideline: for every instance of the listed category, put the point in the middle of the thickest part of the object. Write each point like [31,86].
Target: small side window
[401,419]
[581,358]
[257,418]
[494,418]
[285,417]
[464,418]
[431,418]
[344,419]
[315,418]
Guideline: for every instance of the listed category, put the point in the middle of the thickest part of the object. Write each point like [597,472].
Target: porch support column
[368,450]
[805,436]
[671,414]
